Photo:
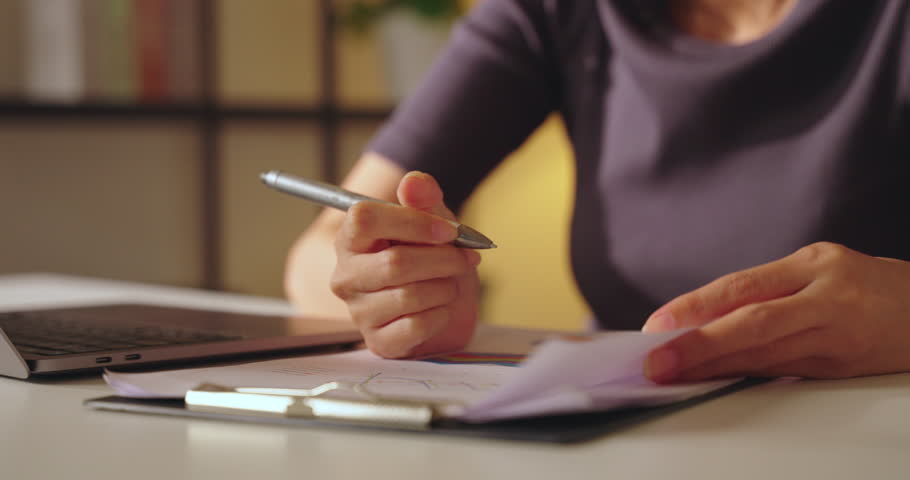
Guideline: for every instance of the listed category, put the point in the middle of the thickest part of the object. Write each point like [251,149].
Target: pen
[337,197]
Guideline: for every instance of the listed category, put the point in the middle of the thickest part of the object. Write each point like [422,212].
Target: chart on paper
[451,383]
[417,379]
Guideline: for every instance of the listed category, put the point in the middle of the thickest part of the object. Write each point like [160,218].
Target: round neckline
[683,42]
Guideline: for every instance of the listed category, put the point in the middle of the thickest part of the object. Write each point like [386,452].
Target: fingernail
[662,365]
[415,173]
[442,231]
[661,323]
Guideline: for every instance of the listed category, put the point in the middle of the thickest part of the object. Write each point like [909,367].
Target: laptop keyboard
[43,334]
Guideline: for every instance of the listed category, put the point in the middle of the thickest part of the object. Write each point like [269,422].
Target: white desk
[848,429]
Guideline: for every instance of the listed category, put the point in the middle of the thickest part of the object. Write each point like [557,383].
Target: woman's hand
[408,290]
[823,312]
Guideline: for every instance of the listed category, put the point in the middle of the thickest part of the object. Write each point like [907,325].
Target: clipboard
[313,409]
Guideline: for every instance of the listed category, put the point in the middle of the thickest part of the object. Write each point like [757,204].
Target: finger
[400,265]
[758,361]
[377,308]
[421,191]
[401,337]
[368,226]
[893,260]
[812,367]
[777,279]
[460,329]
[745,328]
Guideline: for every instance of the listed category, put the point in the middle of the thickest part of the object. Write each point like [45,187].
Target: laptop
[77,339]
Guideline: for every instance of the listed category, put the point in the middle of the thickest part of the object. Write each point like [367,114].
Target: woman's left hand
[823,312]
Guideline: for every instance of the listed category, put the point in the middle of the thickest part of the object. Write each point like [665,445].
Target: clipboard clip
[364,408]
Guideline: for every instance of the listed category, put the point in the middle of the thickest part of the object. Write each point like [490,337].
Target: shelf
[188,111]
[209,116]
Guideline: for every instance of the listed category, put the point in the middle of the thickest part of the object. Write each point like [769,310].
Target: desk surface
[846,429]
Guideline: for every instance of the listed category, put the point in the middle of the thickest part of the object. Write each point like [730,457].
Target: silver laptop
[62,340]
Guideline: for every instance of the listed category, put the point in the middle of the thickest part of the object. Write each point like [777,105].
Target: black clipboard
[569,428]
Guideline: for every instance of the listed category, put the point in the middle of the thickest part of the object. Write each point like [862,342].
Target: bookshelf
[186,111]
[209,116]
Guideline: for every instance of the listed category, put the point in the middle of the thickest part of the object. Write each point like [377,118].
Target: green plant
[359,15]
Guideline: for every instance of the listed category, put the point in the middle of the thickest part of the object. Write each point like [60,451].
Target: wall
[525,206]
[100,198]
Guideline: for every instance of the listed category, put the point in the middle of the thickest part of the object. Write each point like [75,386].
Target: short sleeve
[490,88]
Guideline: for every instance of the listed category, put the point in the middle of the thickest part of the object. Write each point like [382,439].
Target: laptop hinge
[11,363]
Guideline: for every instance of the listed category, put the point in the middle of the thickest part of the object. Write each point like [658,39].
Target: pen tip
[268,177]
[470,238]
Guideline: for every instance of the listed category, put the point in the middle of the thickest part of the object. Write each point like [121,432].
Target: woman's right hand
[407,288]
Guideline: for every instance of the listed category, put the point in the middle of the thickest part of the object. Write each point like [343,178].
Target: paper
[602,372]
[417,380]
[562,375]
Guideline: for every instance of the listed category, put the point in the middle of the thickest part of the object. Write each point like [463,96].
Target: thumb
[421,191]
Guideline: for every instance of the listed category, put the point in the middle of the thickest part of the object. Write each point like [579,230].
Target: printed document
[562,374]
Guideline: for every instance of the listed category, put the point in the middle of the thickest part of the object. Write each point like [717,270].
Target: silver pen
[337,197]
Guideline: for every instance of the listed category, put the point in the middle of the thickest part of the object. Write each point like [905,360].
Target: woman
[742,168]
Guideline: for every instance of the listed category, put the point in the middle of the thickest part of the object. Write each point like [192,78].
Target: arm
[823,312]
[391,268]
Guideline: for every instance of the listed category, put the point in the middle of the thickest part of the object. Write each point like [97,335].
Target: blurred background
[132,133]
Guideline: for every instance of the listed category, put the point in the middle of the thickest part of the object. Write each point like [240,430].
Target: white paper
[602,373]
[563,375]
[393,378]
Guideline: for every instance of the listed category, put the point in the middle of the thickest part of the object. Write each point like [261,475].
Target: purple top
[693,159]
